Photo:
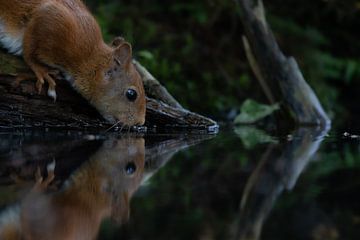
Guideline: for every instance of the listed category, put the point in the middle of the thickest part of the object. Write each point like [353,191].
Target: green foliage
[251,136]
[184,45]
[252,111]
[322,68]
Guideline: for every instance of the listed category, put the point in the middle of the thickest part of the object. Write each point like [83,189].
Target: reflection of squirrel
[102,187]
[54,35]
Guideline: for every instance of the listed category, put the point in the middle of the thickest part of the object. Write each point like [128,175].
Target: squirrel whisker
[113,127]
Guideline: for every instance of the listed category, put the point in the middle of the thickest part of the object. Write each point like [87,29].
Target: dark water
[238,184]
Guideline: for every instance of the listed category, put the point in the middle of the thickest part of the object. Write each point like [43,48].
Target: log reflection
[274,174]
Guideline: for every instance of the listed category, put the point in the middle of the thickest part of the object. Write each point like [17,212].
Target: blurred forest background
[194,48]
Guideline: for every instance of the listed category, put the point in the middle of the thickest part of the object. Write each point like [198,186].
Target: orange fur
[98,190]
[63,35]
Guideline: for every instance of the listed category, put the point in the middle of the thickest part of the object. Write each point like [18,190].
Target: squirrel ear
[117,41]
[123,54]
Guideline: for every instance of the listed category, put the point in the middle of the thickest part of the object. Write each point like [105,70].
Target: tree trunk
[279,76]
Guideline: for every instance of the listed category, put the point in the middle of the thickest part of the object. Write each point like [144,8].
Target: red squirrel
[62,35]
[101,188]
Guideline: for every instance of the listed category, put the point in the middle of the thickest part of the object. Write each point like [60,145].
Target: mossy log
[23,107]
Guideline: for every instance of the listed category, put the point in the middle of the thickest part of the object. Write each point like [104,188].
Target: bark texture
[279,76]
[23,107]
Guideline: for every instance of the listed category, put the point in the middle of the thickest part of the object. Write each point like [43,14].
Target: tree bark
[23,107]
[279,76]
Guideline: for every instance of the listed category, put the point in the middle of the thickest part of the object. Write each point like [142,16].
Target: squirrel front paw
[42,74]
[42,184]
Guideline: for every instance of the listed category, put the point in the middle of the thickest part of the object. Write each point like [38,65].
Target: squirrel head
[119,94]
[123,162]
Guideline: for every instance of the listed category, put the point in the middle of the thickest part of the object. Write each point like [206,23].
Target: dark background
[194,48]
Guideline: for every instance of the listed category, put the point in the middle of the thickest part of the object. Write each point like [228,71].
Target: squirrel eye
[131,94]
[130,168]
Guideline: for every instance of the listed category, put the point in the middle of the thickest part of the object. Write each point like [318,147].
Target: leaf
[251,136]
[146,55]
[251,111]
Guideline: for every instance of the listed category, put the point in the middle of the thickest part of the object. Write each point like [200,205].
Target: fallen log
[23,107]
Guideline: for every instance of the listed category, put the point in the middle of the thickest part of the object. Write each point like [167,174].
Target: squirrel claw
[51,90]
[52,93]
[43,74]
[39,84]
[41,183]
[38,176]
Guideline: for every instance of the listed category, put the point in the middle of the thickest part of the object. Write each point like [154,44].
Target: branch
[22,107]
[279,76]
[154,89]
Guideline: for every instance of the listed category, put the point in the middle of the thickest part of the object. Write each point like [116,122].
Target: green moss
[10,64]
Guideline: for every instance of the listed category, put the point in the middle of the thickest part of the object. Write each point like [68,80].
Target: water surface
[242,183]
